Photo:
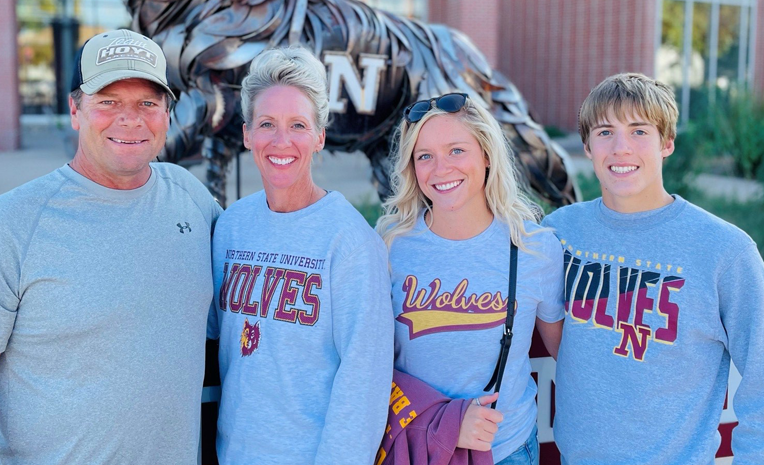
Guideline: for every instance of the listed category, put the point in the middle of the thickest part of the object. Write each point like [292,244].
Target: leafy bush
[733,128]
[370,209]
[589,186]
[683,166]
[554,132]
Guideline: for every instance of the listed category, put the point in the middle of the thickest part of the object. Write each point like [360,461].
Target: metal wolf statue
[377,64]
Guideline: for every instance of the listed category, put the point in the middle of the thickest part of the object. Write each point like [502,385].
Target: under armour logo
[183,228]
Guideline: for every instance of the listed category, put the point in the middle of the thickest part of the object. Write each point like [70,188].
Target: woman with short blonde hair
[303,309]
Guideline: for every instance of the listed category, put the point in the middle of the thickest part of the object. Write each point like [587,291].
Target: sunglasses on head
[450,103]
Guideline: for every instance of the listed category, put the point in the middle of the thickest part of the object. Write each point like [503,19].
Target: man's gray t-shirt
[103,302]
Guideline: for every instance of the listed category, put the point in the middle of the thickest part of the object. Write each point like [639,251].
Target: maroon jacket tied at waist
[423,427]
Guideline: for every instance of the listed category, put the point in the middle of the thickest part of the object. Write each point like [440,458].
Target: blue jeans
[527,454]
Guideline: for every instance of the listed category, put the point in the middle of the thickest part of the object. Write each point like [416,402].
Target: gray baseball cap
[116,55]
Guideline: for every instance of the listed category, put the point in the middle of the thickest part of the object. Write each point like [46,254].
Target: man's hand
[479,424]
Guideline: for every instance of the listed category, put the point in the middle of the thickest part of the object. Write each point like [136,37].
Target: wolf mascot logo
[250,338]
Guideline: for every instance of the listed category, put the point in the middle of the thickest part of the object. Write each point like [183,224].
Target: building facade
[555,51]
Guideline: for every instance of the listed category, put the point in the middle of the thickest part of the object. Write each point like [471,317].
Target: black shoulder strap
[506,338]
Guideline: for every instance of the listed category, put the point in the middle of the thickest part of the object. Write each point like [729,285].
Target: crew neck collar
[330,197]
[99,190]
[642,220]
[422,226]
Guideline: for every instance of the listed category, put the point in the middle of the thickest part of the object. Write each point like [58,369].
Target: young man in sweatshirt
[660,295]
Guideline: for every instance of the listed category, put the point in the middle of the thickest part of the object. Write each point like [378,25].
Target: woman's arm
[551,310]
[551,333]
[362,321]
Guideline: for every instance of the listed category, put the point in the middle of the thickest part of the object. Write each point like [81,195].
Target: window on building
[46,28]
[705,48]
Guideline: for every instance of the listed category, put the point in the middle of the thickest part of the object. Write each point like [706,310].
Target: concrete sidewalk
[42,151]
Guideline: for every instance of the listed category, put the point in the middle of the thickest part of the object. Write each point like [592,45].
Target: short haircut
[292,66]
[630,93]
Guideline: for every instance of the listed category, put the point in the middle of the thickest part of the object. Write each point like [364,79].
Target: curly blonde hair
[504,198]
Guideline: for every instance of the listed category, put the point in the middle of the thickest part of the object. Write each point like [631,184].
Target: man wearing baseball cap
[105,280]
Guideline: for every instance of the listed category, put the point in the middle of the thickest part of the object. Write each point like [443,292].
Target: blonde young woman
[448,225]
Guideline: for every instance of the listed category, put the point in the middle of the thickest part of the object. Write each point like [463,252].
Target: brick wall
[555,51]
[480,20]
[10,102]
